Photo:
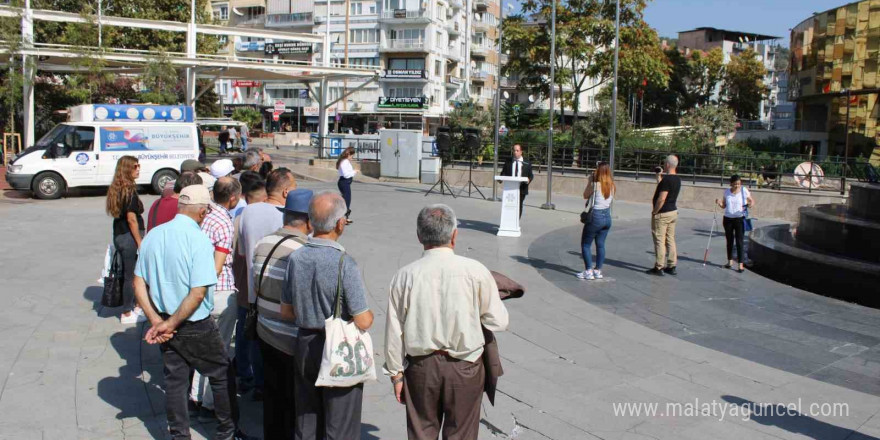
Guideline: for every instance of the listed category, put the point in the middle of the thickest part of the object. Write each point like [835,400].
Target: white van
[84,150]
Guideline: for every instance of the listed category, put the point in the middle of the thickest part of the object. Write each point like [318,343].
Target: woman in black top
[124,205]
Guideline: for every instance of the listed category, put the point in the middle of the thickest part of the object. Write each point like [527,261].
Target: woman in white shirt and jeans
[597,229]
[346,176]
[735,202]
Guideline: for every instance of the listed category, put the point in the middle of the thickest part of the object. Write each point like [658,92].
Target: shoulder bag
[112,296]
[348,351]
[747,221]
[250,320]
[587,214]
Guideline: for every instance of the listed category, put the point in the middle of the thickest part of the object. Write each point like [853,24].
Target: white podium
[509,225]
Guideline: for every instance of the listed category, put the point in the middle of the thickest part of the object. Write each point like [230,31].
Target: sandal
[727,266]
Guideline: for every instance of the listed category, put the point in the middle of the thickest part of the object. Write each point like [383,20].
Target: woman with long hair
[601,185]
[346,176]
[124,205]
[737,200]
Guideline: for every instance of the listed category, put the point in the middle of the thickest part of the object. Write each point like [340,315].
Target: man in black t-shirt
[664,215]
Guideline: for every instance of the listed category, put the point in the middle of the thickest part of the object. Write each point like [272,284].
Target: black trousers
[279,409]
[198,345]
[733,232]
[322,413]
[345,189]
[522,198]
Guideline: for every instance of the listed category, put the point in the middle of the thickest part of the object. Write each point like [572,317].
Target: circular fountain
[835,250]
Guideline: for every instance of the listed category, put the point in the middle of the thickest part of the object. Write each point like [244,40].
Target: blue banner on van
[145,113]
[150,138]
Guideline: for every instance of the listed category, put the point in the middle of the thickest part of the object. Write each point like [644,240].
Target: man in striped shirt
[219,229]
[275,328]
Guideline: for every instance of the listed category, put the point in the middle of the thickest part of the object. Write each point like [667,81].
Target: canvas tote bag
[348,352]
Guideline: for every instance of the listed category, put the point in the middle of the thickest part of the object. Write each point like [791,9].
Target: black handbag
[250,320]
[587,213]
[112,296]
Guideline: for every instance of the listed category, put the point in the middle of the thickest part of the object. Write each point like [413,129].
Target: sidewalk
[574,349]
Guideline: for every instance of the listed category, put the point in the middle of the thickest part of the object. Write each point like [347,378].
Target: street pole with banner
[549,204]
[614,89]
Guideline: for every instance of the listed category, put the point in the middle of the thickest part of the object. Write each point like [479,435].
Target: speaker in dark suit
[517,166]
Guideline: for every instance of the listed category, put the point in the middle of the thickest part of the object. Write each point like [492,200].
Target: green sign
[385,102]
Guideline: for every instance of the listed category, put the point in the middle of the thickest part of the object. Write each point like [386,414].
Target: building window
[363,36]
[479,38]
[406,64]
[408,34]
[357,8]
[438,68]
[405,92]
[223,39]
[223,13]
[372,9]
[364,62]
[439,44]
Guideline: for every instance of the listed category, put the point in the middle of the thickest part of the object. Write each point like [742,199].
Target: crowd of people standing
[237,286]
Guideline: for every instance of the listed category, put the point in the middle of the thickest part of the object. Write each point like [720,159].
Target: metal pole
[614,89]
[100,25]
[550,205]
[845,148]
[498,103]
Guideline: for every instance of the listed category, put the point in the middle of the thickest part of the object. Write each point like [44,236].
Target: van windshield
[47,138]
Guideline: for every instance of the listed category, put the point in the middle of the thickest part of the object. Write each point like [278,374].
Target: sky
[767,17]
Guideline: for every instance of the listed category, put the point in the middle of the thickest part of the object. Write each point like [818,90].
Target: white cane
[711,232]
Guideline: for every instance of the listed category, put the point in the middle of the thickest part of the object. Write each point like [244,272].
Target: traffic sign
[275,116]
[502,130]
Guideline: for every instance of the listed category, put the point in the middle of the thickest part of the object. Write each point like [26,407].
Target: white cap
[194,195]
[221,168]
[207,180]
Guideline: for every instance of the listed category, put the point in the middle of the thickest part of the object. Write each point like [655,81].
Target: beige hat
[208,180]
[194,195]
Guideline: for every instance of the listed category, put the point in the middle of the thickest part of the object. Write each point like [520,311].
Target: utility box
[430,170]
[401,151]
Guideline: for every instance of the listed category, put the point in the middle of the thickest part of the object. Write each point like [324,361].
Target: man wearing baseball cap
[174,283]
[276,331]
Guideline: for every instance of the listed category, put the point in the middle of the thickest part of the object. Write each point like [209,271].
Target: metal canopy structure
[57,58]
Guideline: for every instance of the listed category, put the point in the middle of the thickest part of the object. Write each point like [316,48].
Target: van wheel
[161,178]
[48,186]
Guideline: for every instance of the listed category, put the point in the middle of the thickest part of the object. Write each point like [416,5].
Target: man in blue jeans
[175,273]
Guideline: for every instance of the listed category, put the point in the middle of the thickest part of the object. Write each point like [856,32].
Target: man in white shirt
[233,134]
[519,167]
[436,308]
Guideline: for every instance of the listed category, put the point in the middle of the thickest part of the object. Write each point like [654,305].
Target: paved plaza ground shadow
[477,225]
[793,421]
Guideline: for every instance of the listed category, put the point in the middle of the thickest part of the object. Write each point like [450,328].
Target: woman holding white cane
[736,202]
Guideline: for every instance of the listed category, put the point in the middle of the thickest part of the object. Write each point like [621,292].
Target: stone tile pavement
[575,352]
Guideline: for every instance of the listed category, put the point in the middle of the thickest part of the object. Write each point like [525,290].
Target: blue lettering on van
[82,158]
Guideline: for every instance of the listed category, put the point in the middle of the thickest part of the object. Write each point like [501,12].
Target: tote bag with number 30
[348,351]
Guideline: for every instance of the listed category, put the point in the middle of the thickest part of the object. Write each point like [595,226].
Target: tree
[470,116]
[704,71]
[594,131]
[584,35]
[743,86]
[249,116]
[159,82]
[706,123]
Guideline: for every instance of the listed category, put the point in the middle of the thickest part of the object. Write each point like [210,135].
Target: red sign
[279,106]
[246,83]
[275,116]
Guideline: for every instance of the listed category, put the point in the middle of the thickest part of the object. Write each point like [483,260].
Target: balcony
[481,3]
[456,4]
[510,82]
[453,82]
[480,50]
[453,29]
[480,75]
[486,22]
[255,21]
[406,16]
[291,102]
[453,54]
[403,45]
[289,20]
[404,75]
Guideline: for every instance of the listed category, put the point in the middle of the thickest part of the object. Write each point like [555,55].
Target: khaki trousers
[441,390]
[663,232]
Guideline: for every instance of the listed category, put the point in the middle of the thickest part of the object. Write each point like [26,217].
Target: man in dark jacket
[518,167]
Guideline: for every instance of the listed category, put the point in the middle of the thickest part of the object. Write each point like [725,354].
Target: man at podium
[518,167]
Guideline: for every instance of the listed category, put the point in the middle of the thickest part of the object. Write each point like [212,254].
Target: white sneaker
[139,312]
[132,318]
[597,274]
[586,275]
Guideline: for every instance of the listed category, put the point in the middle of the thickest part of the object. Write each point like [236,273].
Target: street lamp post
[549,204]
[498,102]
[614,89]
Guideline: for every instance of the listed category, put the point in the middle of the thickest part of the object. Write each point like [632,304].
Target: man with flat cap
[275,327]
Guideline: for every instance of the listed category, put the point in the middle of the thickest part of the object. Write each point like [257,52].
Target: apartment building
[733,43]
[432,54]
